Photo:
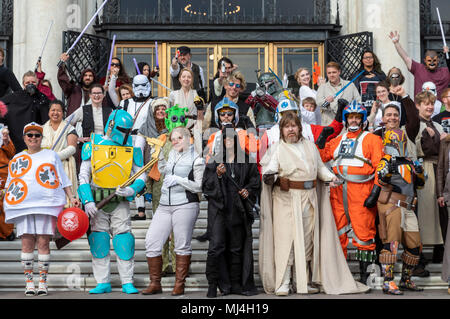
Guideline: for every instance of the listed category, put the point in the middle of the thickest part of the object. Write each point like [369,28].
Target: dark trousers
[224,260]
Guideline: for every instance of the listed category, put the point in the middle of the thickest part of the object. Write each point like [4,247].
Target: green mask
[176,116]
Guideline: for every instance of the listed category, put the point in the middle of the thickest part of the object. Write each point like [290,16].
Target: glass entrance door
[282,58]
[204,55]
[290,57]
[250,59]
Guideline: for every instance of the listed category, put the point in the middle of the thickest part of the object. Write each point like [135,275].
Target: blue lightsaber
[326,104]
[281,83]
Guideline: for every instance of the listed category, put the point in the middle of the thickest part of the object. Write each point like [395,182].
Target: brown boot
[182,269]
[154,268]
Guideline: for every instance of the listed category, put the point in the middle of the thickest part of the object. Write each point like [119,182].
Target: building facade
[278,35]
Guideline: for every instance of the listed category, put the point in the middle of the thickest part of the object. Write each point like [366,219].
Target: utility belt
[286,184]
[102,193]
[399,200]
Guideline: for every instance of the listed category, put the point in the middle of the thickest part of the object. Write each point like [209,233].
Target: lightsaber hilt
[326,104]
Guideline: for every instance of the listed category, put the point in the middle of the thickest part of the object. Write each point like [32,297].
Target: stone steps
[71,269]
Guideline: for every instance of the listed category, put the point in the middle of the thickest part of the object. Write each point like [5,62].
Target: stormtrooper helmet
[141,86]
[429,86]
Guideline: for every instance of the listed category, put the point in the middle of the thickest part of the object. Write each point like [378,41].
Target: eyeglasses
[228,113]
[368,57]
[115,64]
[31,135]
[97,93]
[237,85]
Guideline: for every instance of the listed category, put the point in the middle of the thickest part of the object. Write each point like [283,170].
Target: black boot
[363,273]
[140,215]
[438,254]
[203,237]
[212,291]
[420,270]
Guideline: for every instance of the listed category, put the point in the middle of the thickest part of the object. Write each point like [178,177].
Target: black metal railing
[347,51]
[430,31]
[163,14]
[6,15]
[91,52]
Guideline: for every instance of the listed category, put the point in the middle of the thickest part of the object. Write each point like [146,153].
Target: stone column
[380,17]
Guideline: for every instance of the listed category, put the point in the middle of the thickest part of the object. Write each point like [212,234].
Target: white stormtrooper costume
[140,104]
[430,86]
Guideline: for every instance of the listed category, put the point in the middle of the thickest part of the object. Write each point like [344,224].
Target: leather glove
[383,174]
[269,179]
[125,192]
[342,103]
[90,209]
[371,201]
[199,103]
[246,120]
[322,139]
[170,181]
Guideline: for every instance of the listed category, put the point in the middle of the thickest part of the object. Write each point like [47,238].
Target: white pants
[114,223]
[181,219]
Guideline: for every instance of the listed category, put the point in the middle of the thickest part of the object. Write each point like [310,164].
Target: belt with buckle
[286,184]
[404,201]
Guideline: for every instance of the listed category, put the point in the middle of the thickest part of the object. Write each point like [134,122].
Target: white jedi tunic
[301,219]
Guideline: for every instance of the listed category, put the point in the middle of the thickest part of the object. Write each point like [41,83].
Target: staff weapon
[110,59]
[442,30]
[157,144]
[84,30]
[43,45]
[326,103]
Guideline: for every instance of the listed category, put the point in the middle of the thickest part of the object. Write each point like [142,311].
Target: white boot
[311,289]
[43,261]
[27,262]
[284,288]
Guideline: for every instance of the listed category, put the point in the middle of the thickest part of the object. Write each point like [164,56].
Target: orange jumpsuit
[362,218]
[6,153]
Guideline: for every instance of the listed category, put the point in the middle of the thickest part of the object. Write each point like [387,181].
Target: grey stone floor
[117,294]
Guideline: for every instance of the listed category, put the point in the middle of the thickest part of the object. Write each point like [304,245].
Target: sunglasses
[115,64]
[229,113]
[237,85]
[31,135]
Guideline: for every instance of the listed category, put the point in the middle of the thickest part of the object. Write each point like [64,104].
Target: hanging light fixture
[228,10]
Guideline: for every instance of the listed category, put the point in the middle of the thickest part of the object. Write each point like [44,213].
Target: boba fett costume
[108,161]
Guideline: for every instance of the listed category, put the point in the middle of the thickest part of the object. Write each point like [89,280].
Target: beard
[292,138]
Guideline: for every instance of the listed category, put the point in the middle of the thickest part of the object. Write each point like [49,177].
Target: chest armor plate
[111,164]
